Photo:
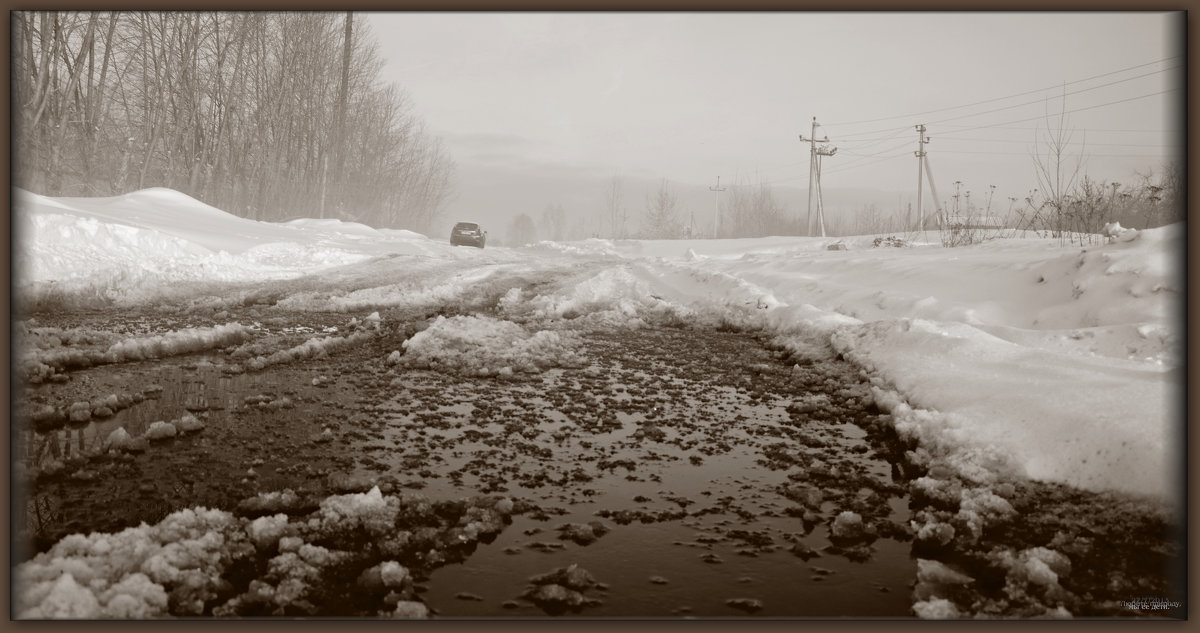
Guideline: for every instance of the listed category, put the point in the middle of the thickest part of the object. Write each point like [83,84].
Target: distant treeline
[268,115]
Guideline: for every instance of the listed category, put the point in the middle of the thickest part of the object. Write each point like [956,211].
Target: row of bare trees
[269,115]
[1071,205]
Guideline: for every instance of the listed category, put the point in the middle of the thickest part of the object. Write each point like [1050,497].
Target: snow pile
[316,347]
[1127,281]
[622,294]
[211,562]
[964,403]
[126,575]
[936,583]
[370,510]
[43,353]
[1031,587]
[180,342]
[132,247]
[484,346]
[408,294]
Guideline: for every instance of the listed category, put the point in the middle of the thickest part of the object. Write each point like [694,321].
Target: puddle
[170,392]
[628,557]
[690,455]
[662,460]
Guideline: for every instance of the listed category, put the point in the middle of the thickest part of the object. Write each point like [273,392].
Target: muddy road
[673,470]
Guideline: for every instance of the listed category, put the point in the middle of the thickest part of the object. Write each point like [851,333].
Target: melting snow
[1016,357]
[1062,363]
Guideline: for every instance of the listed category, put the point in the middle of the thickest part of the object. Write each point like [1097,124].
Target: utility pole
[920,154]
[937,204]
[824,150]
[812,167]
[717,209]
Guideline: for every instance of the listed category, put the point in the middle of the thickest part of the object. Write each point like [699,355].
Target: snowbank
[132,247]
[1020,356]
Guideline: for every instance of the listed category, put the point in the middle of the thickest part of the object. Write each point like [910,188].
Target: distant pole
[920,154]
[717,209]
[812,168]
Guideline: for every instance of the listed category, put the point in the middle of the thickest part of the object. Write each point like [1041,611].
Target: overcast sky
[693,96]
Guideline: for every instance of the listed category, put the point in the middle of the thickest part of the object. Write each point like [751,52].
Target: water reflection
[202,389]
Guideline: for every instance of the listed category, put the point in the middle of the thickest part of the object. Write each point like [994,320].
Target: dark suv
[468,233]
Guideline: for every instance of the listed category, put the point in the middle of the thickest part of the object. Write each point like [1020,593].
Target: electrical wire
[895,132]
[1021,105]
[1091,107]
[1019,94]
[1009,107]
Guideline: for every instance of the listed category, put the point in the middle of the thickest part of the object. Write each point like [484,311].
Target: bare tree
[754,211]
[554,222]
[263,114]
[1157,198]
[662,220]
[521,230]
[617,213]
[1057,170]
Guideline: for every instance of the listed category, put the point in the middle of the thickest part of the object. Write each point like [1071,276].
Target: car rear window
[466,225]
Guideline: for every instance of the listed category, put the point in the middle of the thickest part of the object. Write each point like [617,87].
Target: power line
[882,151]
[1009,107]
[1021,94]
[881,139]
[1039,117]
[1090,155]
[1090,129]
[848,166]
[1009,140]
[968,128]
[1091,107]
[1021,105]
[1002,125]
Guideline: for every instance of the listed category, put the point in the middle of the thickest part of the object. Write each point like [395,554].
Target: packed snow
[1019,357]
[122,575]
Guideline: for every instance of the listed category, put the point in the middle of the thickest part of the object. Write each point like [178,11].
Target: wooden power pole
[812,168]
[717,210]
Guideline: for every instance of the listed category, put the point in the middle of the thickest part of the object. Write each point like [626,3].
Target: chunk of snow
[160,430]
[118,439]
[189,424]
[480,345]
[936,609]
[847,525]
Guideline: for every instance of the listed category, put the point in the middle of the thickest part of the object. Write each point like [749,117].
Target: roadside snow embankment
[131,249]
[1020,355]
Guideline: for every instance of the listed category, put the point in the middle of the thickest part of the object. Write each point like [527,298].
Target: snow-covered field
[1017,357]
